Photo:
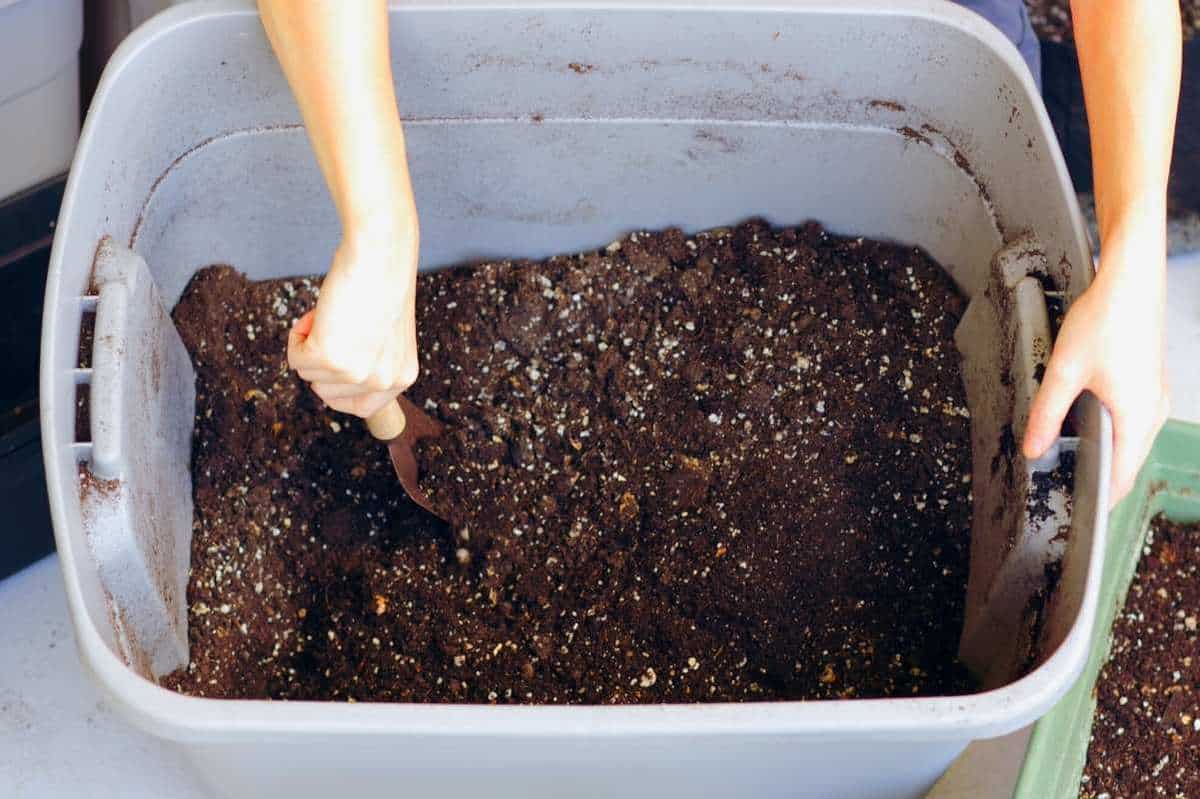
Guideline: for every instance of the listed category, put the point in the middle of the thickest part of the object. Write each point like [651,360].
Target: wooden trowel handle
[388,422]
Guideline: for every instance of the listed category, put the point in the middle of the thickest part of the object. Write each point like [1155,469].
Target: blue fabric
[1012,18]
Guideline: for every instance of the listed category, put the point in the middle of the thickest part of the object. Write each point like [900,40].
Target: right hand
[358,347]
[1112,343]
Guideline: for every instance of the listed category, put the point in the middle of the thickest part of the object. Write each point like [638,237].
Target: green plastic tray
[1169,483]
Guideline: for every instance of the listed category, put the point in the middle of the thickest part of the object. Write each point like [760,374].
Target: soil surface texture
[1146,733]
[1052,19]
[726,467]
[1060,480]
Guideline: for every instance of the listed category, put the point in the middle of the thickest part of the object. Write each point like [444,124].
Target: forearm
[1111,341]
[1129,57]
[335,56]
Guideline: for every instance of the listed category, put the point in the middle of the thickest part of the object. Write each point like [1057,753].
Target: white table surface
[59,739]
[57,736]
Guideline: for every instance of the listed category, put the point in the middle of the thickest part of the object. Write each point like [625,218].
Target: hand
[358,347]
[1112,343]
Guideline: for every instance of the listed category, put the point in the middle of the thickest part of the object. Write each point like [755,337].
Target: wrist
[1133,270]
[1141,219]
[389,220]
[381,245]
[371,185]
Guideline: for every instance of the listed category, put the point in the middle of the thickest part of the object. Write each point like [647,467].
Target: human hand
[358,347]
[1112,344]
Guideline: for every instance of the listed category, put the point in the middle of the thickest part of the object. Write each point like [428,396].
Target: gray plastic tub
[912,121]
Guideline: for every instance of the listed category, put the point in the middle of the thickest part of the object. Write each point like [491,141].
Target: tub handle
[142,383]
[112,274]
[139,518]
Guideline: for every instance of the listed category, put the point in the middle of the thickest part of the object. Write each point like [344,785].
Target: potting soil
[725,467]
[1146,733]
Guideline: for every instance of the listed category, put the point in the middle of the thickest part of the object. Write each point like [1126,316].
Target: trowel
[401,425]
[398,424]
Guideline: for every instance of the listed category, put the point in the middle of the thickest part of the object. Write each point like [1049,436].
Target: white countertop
[58,738]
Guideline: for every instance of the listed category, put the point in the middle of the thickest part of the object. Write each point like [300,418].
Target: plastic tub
[39,89]
[1169,484]
[538,128]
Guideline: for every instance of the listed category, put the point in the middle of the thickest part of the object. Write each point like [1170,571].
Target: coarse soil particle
[1052,19]
[733,466]
[1060,480]
[1146,733]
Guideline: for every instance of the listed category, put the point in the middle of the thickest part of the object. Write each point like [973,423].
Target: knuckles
[379,381]
[343,405]
[410,370]
[351,363]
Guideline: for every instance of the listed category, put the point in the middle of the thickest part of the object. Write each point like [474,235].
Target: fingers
[1133,436]
[329,392]
[1124,466]
[304,325]
[297,354]
[318,360]
[390,381]
[1065,378]
[355,362]
[362,405]
[393,373]
[405,367]
[317,375]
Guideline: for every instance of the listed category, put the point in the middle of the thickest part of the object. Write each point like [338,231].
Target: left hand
[1112,344]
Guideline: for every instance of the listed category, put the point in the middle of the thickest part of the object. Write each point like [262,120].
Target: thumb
[296,338]
[1065,378]
[304,325]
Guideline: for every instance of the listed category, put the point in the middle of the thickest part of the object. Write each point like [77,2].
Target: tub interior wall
[535,189]
[551,131]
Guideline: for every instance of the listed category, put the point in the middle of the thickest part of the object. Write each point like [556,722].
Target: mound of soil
[732,466]
[1146,733]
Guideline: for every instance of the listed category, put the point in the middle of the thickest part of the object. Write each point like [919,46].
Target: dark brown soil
[1052,19]
[1146,734]
[734,466]
[1061,480]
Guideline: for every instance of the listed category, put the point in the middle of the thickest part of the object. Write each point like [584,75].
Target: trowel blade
[419,425]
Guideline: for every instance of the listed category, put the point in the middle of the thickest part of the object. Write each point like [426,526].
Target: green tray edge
[1168,483]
